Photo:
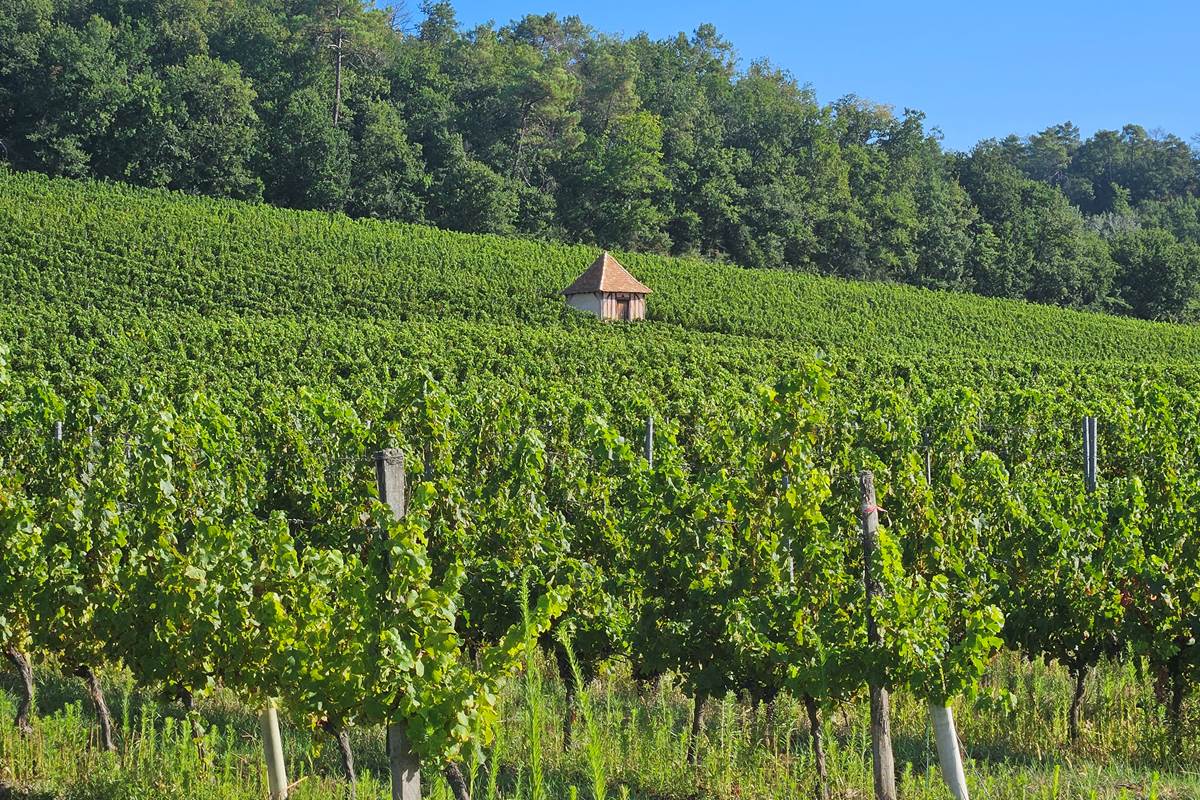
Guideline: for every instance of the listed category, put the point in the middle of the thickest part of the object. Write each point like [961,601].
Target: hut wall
[586,302]
[637,308]
[604,304]
[608,305]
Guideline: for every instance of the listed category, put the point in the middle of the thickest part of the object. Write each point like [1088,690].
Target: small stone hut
[607,290]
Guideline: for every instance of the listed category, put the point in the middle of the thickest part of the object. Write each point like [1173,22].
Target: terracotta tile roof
[606,275]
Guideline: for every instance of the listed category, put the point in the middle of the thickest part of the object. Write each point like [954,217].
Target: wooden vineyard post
[693,748]
[403,763]
[20,662]
[881,726]
[277,782]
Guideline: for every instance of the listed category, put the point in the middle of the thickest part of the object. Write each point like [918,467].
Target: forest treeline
[543,127]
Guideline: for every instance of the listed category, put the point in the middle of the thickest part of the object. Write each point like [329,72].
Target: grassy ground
[635,747]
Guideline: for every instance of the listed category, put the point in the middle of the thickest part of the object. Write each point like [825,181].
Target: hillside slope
[122,253]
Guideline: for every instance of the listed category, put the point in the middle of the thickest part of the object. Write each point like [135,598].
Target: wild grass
[594,743]
[633,745]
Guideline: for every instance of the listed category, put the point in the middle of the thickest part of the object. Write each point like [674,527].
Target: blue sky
[975,69]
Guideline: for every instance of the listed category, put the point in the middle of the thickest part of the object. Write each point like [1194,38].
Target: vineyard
[85,245]
[371,477]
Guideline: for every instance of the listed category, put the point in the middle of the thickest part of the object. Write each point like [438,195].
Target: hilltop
[545,127]
[101,278]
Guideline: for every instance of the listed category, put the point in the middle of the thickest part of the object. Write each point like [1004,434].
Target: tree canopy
[543,127]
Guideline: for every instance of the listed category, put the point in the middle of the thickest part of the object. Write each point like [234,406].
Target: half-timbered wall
[609,305]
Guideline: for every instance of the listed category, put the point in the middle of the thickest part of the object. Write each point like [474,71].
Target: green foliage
[212,130]
[310,159]
[160,533]
[207,522]
[1152,258]
[150,255]
[387,180]
[613,198]
[547,128]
